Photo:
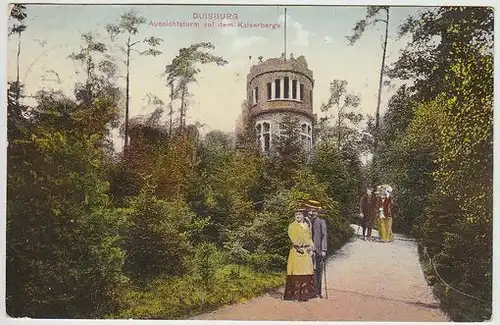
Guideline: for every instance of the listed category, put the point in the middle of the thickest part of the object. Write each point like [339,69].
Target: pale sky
[318,33]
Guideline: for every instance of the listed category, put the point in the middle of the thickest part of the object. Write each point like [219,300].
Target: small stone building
[277,87]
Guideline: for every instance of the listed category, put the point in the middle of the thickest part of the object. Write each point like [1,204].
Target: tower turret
[278,87]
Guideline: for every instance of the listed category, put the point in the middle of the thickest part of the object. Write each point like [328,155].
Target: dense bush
[63,257]
[182,297]
[443,156]
[156,242]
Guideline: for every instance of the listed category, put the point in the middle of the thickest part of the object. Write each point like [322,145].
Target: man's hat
[313,204]
[298,206]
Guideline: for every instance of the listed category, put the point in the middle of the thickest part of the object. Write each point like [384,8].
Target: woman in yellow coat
[385,210]
[300,271]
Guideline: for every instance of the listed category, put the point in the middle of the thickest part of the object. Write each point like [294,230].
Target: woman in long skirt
[385,210]
[300,272]
[382,230]
[388,207]
[381,221]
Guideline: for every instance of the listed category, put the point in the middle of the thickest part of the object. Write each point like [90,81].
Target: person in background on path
[378,214]
[385,207]
[320,240]
[375,215]
[388,212]
[300,271]
[367,208]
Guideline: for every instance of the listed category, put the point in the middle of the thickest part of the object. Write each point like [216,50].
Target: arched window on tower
[263,130]
[294,89]
[267,136]
[309,132]
[286,87]
[258,131]
[255,96]
[306,136]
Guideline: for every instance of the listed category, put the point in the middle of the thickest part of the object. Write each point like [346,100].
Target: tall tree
[18,12]
[424,61]
[128,26]
[183,71]
[16,111]
[374,14]
[345,128]
[63,233]
[290,151]
[171,107]
[99,69]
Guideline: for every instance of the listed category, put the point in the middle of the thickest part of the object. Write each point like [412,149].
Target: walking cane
[324,272]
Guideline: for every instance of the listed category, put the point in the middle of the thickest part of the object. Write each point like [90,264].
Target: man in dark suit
[368,210]
[319,236]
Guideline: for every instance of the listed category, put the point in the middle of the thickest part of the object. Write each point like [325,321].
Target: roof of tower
[298,65]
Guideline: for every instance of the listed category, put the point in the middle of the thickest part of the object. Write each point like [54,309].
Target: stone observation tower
[278,87]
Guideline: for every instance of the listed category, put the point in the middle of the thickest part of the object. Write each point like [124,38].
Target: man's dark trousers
[318,272]
[319,236]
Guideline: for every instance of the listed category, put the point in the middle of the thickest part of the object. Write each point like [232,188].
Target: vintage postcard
[249,162]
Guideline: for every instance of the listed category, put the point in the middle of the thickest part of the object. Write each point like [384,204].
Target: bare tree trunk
[127,92]
[171,108]
[18,88]
[377,116]
[338,117]
[88,86]
[183,99]
[18,56]
[183,95]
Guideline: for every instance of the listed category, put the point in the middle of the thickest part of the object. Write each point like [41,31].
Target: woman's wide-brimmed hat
[299,209]
[313,205]
[385,187]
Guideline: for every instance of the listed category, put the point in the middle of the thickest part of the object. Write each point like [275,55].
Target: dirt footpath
[367,281]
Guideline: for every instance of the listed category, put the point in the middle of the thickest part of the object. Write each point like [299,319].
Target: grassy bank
[187,296]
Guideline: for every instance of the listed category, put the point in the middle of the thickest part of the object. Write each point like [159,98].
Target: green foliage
[441,162]
[344,130]
[18,12]
[156,242]
[289,152]
[183,70]
[340,171]
[17,125]
[231,284]
[425,61]
[99,71]
[372,17]
[64,256]
[124,183]
[206,261]
[339,145]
